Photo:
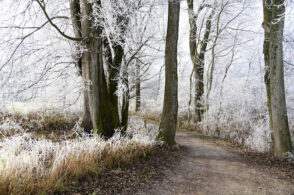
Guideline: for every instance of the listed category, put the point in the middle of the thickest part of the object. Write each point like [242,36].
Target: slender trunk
[125,103]
[138,88]
[193,30]
[198,89]
[193,52]
[170,106]
[198,58]
[267,20]
[199,72]
[280,126]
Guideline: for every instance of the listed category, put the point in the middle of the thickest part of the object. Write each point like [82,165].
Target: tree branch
[54,25]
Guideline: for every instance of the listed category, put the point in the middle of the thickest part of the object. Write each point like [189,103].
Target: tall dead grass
[30,165]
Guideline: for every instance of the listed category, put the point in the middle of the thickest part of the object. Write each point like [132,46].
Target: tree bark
[193,30]
[267,20]
[118,66]
[280,126]
[75,9]
[170,106]
[103,114]
[125,102]
[198,58]
[199,72]
[138,87]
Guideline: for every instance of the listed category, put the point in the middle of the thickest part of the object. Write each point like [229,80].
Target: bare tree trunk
[267,20]
[111,99]
[75,8]
[193,45]
[193,30]
[85,120]
[198,58]
[168,123]
[199,89]
[114,68]
[280,126]
[125,102]
[199,72]
[138,87]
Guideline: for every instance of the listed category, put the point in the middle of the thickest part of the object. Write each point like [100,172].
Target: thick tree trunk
[111,100]
[138,87]
[267,20]
[168,123]
[280,126]
[113,70]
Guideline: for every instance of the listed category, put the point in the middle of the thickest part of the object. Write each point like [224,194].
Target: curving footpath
[207,168]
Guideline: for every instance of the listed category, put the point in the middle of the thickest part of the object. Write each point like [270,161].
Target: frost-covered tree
[198,47]
[209,22]
[113,17]
[100,30]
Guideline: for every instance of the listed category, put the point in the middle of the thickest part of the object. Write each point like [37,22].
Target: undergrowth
[248,134]
[33,165]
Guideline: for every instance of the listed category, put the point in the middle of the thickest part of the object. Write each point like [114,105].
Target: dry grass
[42,121]
[52,125]
[33,165]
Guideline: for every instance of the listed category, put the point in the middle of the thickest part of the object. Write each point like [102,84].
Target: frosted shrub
[259,139]
[9,126]
[237,113]
[243,119]
[137,129]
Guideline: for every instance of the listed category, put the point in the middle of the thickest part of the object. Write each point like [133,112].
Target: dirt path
[207,168]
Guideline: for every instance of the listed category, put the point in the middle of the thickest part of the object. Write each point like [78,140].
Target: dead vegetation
[33,161]
[46,124]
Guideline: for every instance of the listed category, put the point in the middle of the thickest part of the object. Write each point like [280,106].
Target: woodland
[146,97]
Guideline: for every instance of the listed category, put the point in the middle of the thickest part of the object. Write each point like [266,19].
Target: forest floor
[203,165]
